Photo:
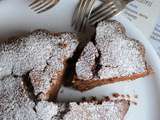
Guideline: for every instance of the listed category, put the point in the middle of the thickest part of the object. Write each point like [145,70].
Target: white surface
[15,16]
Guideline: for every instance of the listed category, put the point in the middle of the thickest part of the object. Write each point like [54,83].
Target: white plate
[147,88]
[15,16]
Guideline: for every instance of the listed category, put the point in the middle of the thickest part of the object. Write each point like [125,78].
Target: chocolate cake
[112,57]
[32,68]
[106,109]
[40,54]
[15,104]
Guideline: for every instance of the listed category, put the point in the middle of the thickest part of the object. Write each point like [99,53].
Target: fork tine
[96,9]
[109,15]
[101,8]
[84,13]
[48,7]
[107,10]
[84,16]
[43,5]
[83,20]
[35,2]
[37,5]
[105,16]
[111,8]
[81,15]
[78,12]
[89,8]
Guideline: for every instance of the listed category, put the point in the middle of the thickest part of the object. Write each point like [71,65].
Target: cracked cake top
[119,55]
[41,54]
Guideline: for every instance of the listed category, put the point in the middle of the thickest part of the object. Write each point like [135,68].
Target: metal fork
[107,10]
[85,15]
[82,14]
[40,6]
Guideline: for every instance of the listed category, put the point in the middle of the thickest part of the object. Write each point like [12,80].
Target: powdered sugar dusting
[119,55]
[24,54]
[63,47]
[46,110]
[111,110]
[40,52]
[86,63]
[16,105]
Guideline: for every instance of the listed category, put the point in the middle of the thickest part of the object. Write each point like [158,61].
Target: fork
[108,9]
[85,15]
[40,6]
[82,14]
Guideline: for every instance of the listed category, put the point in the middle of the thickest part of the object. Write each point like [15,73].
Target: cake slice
[14,101]
[112,57]
[42,56]
[106,109]
[15,104]
[47,81]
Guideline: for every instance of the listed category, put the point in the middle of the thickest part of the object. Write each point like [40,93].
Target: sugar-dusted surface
[25,54]
[16,105]
[107,110]
[63,47]
[119,55]
[46,110]
[86,63]
[14,102]
[40,53]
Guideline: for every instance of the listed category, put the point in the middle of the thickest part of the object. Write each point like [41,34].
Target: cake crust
[84,85]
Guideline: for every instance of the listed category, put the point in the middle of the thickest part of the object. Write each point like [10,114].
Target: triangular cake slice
[106,109]
[47,81]
[112,57]
[42,56]
[16,104]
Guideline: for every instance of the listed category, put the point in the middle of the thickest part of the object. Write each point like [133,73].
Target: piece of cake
[112,57]
[47,81]
[15,103]
[41,55]
[106,109]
